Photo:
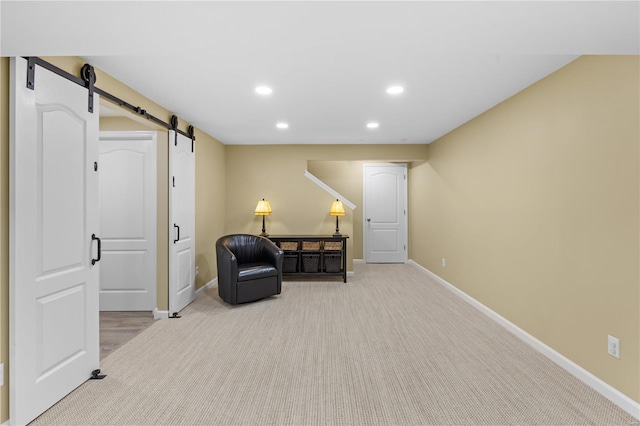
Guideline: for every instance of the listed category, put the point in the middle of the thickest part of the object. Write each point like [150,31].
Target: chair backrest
[247,248]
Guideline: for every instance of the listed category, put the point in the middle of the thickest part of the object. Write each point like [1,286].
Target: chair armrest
[227,271]
[273,253]
[276,257]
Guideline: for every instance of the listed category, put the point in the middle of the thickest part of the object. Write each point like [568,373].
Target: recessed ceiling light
[373,125]
[282,126]
[263,90]
[395,90]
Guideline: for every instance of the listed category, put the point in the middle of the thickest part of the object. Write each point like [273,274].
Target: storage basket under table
[332,262]
[311,262]
[290,262]
[310,245]
[332,245]
[289,245]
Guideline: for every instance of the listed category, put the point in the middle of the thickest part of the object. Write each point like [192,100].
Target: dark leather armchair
[249,268]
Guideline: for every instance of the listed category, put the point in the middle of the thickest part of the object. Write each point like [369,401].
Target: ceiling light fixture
[264,90]
[395,90]
[282,126]
[373,125]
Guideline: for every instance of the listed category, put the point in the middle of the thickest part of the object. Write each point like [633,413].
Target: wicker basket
[310,262]
[333,245]
[290,263]
[311,245]
[289,245]
[332,262]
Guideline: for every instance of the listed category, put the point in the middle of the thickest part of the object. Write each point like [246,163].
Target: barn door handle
[177,239]
[94,238]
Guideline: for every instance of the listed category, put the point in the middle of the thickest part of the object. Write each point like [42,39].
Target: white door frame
[364,207]
[144,298]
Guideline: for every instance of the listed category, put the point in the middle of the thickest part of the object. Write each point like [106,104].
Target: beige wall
[276,172]
[210,194]
[535,206]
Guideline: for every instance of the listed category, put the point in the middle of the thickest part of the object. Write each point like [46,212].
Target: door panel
[123,271]
[55,350]
[60,188]
[128,204]
[385,213]
[122,192]
[184,270]
[385,240]
[182,222]
[384,200]
[54,336]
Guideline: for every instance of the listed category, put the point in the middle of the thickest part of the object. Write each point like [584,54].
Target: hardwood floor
[117,328]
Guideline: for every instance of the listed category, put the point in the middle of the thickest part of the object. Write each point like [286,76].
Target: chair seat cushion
[254,271]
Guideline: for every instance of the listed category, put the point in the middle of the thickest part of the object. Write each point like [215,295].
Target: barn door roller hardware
[174,126]
[89,76]
[191,132]
[88,79]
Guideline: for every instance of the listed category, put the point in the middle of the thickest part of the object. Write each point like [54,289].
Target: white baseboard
[157,314]
[350,273]
[207,286]
[160,314]
[358,260]
[6,423]
[612,394]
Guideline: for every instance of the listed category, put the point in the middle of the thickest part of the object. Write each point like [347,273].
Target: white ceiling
[329,63]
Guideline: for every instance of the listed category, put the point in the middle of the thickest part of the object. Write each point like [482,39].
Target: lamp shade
[337,209]
[263,208]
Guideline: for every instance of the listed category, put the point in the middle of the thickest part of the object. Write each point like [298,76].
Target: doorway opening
[130,176]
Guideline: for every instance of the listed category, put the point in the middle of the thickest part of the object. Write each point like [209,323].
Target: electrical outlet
[197,271]
[613,346]
[1,374]
[444,263]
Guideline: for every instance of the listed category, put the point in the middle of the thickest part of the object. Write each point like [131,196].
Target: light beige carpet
[390,347]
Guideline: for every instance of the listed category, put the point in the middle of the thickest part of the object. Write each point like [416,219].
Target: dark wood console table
[313,255]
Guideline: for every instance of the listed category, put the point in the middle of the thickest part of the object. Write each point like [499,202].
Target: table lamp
[263,209]
[337,209]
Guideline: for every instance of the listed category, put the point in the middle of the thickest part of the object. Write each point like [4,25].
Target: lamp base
[337,233]
[264,230]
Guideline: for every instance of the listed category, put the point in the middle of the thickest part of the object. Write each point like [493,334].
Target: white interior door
[54,326]
[385,213]
[128,207]
[182,221]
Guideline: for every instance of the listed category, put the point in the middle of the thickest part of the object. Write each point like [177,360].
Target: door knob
[368,219]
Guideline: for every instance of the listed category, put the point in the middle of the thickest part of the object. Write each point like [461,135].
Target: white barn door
[385,213]
[128,210]
[54,325]
[182,221]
